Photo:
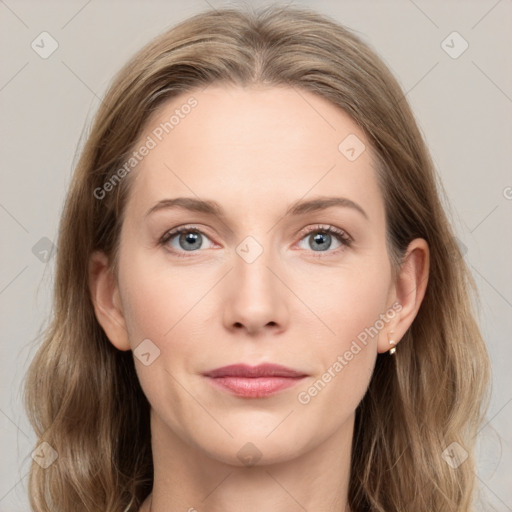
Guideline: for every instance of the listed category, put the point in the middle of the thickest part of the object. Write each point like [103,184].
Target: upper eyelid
[326,227]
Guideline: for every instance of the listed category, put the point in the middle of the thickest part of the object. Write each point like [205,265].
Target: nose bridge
[257,297]
[254,256]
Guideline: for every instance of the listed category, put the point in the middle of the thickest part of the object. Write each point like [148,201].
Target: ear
[106,300]
[408,292]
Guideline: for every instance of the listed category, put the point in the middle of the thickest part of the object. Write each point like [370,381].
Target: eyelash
[339,234]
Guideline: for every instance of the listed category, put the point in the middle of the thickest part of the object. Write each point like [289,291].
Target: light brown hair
[83,396]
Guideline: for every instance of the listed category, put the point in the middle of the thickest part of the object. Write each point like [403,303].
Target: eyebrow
[299,207]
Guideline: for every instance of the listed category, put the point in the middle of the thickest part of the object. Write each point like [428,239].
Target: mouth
[254,381]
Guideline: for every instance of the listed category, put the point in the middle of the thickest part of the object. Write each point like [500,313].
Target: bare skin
[300,303]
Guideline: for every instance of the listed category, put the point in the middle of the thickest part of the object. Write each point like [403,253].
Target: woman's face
[257,281]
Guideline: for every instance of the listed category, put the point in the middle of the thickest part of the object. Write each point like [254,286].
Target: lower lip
[257,387]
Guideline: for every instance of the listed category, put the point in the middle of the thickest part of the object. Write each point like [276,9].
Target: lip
[254,381]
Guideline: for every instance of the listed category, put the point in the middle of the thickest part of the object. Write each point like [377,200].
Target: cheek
[352,308]
[363,306]
[347,359]
[158,297]
[345,300]
[160,306]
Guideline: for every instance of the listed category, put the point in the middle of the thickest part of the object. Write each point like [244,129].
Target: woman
[259,303]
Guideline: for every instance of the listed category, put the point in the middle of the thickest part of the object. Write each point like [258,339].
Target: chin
[253,447]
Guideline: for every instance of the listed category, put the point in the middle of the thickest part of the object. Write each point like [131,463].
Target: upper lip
[262,370]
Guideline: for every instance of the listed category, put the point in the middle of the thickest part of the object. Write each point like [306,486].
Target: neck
[187,479]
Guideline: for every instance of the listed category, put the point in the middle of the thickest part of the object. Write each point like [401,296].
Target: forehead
[245,144]
[285,119]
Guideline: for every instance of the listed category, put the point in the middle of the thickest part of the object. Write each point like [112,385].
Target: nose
[255,297]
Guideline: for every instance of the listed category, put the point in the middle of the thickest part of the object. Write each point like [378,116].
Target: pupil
[322,236]
[191,237]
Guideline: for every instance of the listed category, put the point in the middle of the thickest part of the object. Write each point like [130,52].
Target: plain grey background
[462,101]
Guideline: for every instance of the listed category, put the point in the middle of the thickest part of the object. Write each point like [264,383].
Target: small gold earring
[392,342]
